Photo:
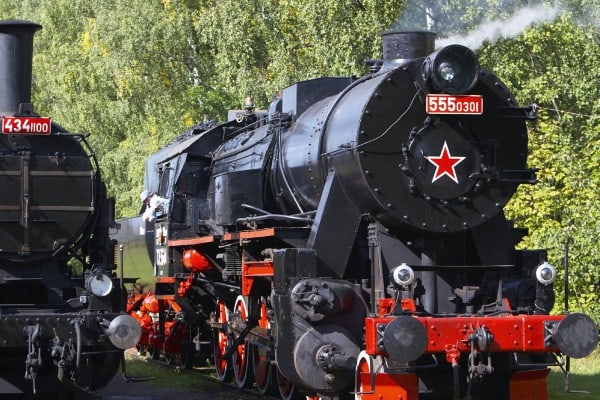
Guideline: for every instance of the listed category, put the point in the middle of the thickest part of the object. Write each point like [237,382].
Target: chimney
[16,53]
[399,47]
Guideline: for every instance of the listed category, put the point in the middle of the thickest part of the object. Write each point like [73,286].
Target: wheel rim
[241,357]
[220,341]
[286,388]
[261,356]
[365,366]
[154,353]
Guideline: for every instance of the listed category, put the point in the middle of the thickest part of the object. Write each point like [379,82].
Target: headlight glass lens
[545,273]
[403,275]
[100,284]
[446,72]
[453,69]
[124,332]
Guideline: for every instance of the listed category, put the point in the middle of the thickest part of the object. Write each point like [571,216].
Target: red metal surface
[220,339]
[168,279]
[521,333]
[529,385]
[184,286]
[26,125]
[191,242]
[252,270]
[389,386]
[452,354]
[240,356]
[259,233]
[145,308]
[194,261]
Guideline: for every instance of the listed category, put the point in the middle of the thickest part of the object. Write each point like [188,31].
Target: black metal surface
[302,95]
[405,339]
[401,46]
[376,137]
[133,234]
[16,51]
[334,221]
[576,335]
[317,373]
[334,157]
[54,220]
[45,203]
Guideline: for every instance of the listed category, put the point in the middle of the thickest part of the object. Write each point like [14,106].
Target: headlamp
[100,284]
[452,69]
[124,332]
[545,273]
[403,275]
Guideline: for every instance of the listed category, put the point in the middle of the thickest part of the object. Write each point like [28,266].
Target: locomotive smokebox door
[442,160]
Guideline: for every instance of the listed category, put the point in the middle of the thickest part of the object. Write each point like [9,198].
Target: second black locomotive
[61,330]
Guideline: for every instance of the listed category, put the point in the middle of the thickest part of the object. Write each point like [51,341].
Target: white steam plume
[494,30]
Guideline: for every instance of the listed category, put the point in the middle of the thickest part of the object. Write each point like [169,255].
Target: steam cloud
[494,30]
[447,21]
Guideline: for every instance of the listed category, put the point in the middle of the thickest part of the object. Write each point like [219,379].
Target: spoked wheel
[242,356]
[366,368]
[220,340]
[261,358]
[154,353]
[287,389]
[186,359]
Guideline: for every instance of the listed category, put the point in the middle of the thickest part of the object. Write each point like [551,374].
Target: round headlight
[446,72]
[100,284]
[124,332]
[545,273]
[403,275]
[452,69]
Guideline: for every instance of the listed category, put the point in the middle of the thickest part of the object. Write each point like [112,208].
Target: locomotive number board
[26,125]
[454,104]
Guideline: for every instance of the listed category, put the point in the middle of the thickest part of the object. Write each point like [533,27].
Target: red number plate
[450,104]
[26,125]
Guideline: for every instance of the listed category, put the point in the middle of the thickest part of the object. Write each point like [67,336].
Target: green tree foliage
[133,73]
[554,66]
[261,46]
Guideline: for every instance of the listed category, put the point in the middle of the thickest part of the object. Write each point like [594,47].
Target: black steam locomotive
[351,240]
[60,328]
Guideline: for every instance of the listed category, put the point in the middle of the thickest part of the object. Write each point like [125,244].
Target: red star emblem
[445,164]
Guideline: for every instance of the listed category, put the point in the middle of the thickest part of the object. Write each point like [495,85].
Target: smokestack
[16,53]
[399,47]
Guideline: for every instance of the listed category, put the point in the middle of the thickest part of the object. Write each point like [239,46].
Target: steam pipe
[566,311]
[121,279]
[78,341]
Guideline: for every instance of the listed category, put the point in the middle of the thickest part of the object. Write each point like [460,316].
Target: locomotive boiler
[350,241]
[61,330]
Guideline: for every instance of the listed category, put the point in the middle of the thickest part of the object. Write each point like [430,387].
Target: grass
[584,379]
[200,381]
